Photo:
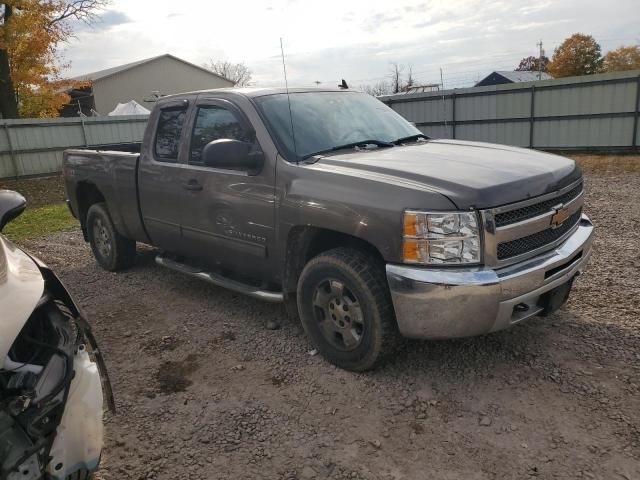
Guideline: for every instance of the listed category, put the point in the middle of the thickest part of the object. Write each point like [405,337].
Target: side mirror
[233,155]
[12,204]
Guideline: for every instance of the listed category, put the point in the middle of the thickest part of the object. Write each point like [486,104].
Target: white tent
[129,108]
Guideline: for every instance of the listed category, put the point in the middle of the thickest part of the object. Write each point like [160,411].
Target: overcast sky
[326,40]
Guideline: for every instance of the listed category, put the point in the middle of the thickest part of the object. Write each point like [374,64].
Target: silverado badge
[558,218]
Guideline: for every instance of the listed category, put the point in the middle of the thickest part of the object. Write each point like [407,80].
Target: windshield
[325,120]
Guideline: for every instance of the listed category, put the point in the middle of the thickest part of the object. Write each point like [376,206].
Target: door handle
[192,185]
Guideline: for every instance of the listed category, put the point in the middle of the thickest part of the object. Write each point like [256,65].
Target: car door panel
[160,176]
[230,222]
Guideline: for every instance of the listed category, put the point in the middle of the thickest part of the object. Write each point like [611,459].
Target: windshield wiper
[378,143]
[417,136]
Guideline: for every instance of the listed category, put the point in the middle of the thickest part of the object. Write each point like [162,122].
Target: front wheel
[346,309]
[112,251]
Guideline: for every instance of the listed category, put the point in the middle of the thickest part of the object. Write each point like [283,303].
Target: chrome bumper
[454,302]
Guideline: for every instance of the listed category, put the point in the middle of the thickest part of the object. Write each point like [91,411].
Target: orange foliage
[30,37]
[622,59]
[579,54]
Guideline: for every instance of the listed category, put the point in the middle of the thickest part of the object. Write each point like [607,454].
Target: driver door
[228,214]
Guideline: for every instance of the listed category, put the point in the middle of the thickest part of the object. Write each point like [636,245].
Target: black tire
[112,251]
[346,310]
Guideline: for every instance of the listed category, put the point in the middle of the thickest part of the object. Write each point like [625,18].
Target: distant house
[500,77]
[141,81]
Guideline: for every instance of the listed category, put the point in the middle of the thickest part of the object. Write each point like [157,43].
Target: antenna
[286,84]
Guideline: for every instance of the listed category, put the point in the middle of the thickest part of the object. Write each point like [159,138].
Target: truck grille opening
[529,243]
[564,266]
[531,211]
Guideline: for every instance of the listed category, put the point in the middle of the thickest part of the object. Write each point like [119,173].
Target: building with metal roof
[142,81]
[503,76]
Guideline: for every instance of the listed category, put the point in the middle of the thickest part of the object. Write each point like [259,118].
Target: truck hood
[470,174]
[21,286]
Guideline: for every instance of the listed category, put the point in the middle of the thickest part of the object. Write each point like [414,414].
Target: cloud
[111,18]
[379,20]
[104,21]
[421,7]
[330,40]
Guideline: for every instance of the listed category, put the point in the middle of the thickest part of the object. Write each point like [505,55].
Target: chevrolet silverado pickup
[332,203]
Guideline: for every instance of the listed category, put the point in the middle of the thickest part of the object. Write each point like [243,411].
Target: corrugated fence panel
[595,112]
[595,132]
[437,131]
[436,110]
[508,133]
[34,146]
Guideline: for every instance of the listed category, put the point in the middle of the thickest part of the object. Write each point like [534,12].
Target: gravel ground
[205,391]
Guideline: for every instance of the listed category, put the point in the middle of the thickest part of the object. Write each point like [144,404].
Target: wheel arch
[306,242]
[87,194]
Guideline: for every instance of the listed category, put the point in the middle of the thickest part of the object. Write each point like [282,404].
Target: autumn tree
[622,59]
[238,73]
[31,81]
[533,64]
[579,54]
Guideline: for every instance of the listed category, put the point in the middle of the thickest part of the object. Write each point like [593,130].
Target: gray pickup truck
[330,202]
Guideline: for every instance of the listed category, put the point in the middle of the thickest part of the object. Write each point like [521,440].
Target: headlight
[437,238]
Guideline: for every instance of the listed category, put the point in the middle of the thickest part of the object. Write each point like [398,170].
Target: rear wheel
[346,309]
[112,251]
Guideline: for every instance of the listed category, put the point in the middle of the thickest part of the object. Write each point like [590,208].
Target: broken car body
[51,396]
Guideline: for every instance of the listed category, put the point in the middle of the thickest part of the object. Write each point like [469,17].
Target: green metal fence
[590,113]
[32,147]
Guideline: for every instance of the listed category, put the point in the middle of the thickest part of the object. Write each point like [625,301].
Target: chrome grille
[521,230]
[526,244]
[531,211]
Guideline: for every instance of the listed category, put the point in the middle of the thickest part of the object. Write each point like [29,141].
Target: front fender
[369,208]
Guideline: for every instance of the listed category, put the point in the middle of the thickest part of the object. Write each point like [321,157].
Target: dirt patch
[608,163]
[173,376]
[37,191]
[552,398]
[165,343]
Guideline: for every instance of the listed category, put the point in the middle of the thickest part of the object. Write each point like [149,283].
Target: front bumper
[78,443]
[453,303]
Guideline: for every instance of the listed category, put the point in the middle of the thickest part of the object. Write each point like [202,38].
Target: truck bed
[113,173]
[131,147]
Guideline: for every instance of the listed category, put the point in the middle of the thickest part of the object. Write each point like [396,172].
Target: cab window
[214,123]
[167,144]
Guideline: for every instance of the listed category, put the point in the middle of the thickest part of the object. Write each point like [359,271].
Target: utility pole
[444,102]
[541,53]
[317,82]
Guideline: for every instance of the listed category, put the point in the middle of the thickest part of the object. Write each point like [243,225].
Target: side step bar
[219,280]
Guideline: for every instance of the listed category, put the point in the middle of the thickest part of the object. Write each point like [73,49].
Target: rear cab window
[168,132]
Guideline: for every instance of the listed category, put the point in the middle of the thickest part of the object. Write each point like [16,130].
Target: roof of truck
[260,91]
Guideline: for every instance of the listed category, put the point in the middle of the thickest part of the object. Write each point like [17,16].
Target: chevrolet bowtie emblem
[558,218]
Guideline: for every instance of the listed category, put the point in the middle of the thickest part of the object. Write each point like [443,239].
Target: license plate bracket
[554,298]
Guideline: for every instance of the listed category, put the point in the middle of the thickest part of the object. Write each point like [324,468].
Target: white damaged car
[51,373]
